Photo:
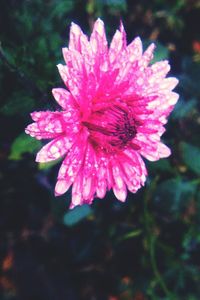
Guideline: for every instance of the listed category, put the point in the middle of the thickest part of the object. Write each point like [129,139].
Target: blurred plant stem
[90,8]
[152,237]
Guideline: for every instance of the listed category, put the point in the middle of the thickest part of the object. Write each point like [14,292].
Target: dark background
[146,248]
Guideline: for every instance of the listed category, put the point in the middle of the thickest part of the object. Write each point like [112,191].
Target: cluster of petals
[113,113]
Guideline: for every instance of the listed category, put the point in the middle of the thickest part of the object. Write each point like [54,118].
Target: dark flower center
[112,127]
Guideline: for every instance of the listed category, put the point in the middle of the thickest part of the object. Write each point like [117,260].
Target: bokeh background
[146,248]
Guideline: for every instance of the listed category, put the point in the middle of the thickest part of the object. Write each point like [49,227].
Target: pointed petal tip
[74,27]
[71,206]
[35,115]
[61,187]
[174,98]
[121,25]
[98,23]
[57,194]
[120,194]
[137,38]
[164,151]
[99,27]
[99,20]
[39,158]
[59,66]
[137,44]
[53,91]
[64,50]
[176,81]
[56,93]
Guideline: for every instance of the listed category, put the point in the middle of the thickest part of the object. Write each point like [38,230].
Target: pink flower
[113,113]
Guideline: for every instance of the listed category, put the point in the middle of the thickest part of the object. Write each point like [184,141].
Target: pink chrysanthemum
[113,113]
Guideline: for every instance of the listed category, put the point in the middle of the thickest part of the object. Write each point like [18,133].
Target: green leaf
[62,8]
[131,234]
[55,42]
[48,165]
[160,53]
[173,195]
[42,48]
[76,215]
[23,144]
[18,104]
[162,165]
[189,80]
[183,109]
[116,5]
[191,157]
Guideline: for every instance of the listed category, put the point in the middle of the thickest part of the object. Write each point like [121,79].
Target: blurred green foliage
[23,144]
[146,248]
[74,216]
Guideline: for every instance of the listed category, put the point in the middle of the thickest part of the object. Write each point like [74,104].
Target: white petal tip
[120,194]
[40,159]
[61,187]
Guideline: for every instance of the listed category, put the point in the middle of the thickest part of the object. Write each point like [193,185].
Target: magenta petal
[134,50]
[54,150]
[75,36]
[98,39]
[47,125]
[119,187]
[148,55]
[63,97]
[62,186]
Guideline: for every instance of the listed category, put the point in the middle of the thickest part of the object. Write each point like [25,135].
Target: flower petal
[154,150]
[77,197]
[134,170]
[48,125]
[89,174]
[112,115]
[147,56]
[119,187]
[63,97]
[159,69]
[98,39]
[75,36]
[101,186]
[70,167]
[134,50]
[116,46]
[54,150]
